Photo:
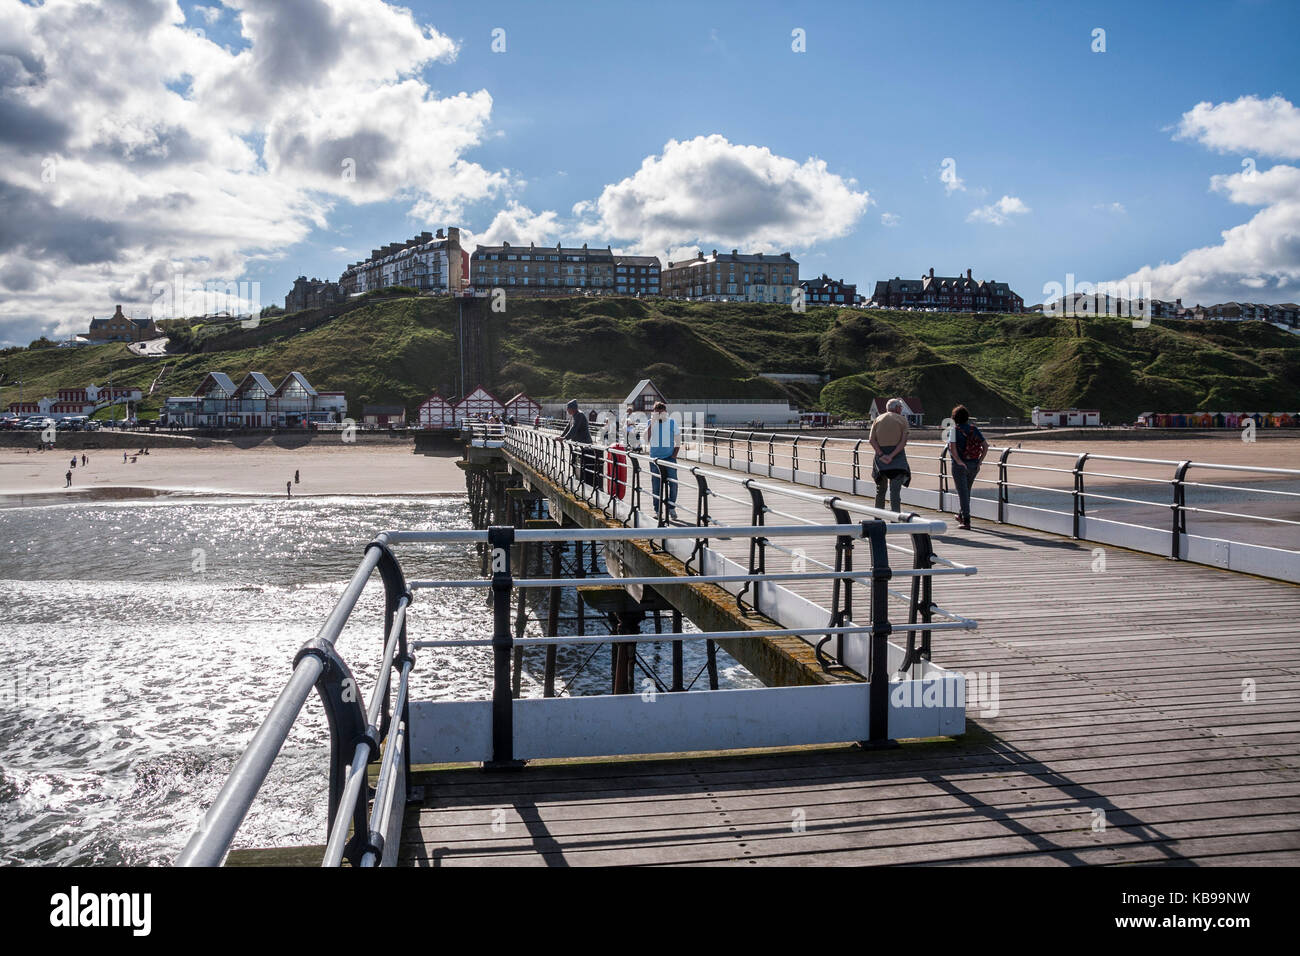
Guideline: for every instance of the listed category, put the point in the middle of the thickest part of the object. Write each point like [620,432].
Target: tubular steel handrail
[356,735]
[1177,506]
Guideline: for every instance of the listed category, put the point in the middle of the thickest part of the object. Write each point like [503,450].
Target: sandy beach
[324,469]
[328,468]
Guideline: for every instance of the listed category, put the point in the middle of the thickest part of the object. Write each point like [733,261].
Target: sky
[153,150]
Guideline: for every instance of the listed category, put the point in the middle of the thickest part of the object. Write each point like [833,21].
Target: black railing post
[635,496]
[821,463]
[345,713]
[1002,485]
[771,454]
[390,572]
[857,467]
[757,546]
[922,600]
[1077,499]
[677,653]
[701,518]
[878,719]
[841,607]
[943,476]
[794,461]
[500,540]
[1179,506]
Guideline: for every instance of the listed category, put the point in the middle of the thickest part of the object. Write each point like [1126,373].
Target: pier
[1059,686]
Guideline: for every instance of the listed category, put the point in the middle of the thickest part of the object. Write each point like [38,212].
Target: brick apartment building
[733,277]
[827,291]
[121,328]
[428,262]
[562,270]
[312,294]
[946,294]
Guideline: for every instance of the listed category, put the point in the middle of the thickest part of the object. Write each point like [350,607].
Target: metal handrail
[356,736]
[1177,506]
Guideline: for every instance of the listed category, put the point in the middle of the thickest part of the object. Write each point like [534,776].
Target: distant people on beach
[888,437]
[967,449]
[74,462]
[84,461]
[288,489]
[295,476]
[124,458]
[68,479]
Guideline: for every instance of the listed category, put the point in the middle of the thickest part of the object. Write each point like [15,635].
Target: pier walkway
[1133,709]
[1120,707]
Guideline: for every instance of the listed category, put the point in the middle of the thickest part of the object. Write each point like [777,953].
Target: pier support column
[624,652]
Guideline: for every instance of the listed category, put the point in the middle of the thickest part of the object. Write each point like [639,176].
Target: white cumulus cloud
[710,192]
[133,147]
[1258,260]
[1000,212]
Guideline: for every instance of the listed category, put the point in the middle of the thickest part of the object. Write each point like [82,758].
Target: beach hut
[522,408]
[478,405]
[435,412]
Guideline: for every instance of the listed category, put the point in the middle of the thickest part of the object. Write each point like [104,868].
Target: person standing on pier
[579,432]
[967,449]
[68,479]
[288,489]
[889,437]
[663,447]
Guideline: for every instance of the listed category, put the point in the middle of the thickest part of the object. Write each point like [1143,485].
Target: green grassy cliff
[399,348]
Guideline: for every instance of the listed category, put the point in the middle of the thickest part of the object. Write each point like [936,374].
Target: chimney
[118,314]
[931,272]
[439,235]
[967,273]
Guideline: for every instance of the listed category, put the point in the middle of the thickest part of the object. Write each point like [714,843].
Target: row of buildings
[437,263]
[70,402]
[254,403]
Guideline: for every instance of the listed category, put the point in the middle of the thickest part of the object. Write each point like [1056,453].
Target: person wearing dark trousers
[68,476]
[966,449]
[889,438]
[664,444]
[579,432]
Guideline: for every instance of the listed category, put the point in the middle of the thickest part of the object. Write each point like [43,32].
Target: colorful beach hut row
[479,405]
[1219,419]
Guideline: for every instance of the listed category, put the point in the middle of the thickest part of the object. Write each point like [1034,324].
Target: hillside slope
[400,348]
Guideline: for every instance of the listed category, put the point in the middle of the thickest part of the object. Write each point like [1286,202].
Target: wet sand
[324,469]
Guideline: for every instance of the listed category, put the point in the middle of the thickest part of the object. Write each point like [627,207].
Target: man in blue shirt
[663,445]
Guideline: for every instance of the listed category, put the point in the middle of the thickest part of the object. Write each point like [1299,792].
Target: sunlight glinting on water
[143,644]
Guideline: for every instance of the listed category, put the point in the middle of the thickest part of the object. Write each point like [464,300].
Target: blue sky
[1013,92]
[1083,162]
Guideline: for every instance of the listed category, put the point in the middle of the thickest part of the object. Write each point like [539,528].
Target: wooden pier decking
[1147,713]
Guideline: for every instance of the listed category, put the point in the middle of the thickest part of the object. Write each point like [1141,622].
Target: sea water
[142,644]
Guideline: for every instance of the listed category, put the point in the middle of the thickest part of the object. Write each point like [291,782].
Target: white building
[1065,417]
